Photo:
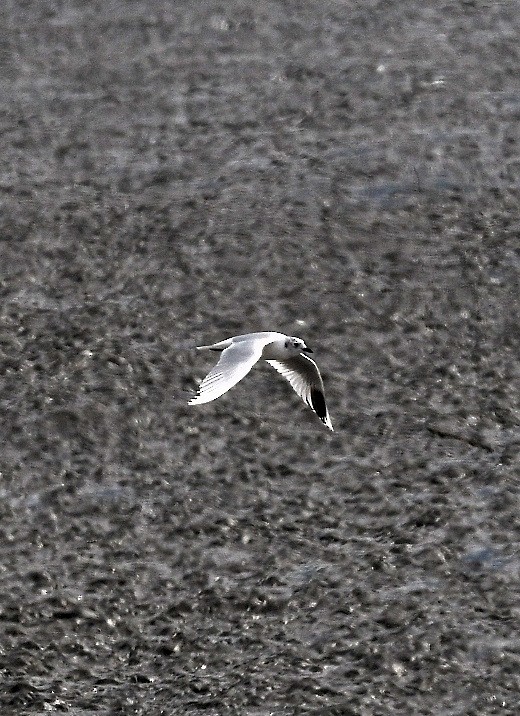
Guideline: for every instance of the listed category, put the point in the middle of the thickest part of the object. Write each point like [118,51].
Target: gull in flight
[287,354]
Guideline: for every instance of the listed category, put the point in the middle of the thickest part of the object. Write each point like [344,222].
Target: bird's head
[297,345]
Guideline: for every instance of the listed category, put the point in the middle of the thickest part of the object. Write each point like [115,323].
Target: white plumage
[287,354]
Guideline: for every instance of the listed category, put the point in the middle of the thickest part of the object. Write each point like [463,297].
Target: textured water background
[181,171]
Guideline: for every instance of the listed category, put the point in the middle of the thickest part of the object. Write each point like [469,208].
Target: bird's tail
[216,346]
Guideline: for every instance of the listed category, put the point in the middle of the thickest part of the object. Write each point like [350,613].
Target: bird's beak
[307,350]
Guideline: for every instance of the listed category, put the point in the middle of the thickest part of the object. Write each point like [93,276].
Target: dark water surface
[176,172]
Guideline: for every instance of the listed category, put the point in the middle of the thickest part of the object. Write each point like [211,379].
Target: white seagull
[286,354]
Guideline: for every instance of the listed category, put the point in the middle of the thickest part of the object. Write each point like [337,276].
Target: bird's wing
[235,362]
[304,376]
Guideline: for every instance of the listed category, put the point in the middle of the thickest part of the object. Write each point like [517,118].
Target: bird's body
[287,354]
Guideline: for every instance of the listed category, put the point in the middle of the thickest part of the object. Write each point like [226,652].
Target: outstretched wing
[235,362]
[304,376]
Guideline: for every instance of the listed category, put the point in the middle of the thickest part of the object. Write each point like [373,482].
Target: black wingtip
[318,404]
